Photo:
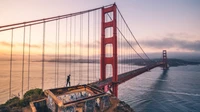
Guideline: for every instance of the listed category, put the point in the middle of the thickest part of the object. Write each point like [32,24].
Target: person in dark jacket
[68,80]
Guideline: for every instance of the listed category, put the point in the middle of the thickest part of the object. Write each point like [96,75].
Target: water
[77,76]
[174,90]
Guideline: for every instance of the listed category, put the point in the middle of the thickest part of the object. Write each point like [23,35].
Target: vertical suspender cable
[95,35]
[97,44]
[132,34]
[119,56]
[74,45]
[128,53]
[94,38]
[111,45]
[11,51]
[56,55]
[125,56]
[23,59]
[121,47]
[58,52]
[80,49]
[29,57]
[70,41]
[43,55]
[66,51]
[99,12]
[125,52]
[88,45]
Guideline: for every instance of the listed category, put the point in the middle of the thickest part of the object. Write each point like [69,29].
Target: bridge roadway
[128,75]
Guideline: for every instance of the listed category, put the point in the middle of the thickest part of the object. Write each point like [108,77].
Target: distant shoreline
[139,62]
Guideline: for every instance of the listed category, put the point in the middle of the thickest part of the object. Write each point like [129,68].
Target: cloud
[27,45]
[93,44]
[8,44]
[5,44]
[173,41]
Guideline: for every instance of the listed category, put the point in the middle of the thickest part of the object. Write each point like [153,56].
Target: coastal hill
[139,62]
[171,62]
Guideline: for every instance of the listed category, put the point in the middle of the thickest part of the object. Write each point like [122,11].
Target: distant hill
[171,62]
[139,62]
[179,62]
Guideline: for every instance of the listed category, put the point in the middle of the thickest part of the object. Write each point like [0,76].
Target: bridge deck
[127,76]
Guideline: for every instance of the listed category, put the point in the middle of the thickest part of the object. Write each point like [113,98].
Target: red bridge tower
[165,65]
[109,40]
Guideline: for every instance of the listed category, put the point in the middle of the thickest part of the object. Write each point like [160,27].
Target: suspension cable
[58,52]
[11,53]
[88,45]
[43,55]
[23,59]
[29,57]
[66,52]
[127,40]
[40,21]
[98,31]
[95,36]
[74,46]
[70,41]
[80,53]
[56,55]
[132,33]
[93,46]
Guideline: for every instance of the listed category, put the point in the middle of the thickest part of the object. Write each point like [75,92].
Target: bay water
[174,90]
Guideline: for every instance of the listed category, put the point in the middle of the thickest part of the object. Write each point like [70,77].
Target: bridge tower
[165,65]
[109,40]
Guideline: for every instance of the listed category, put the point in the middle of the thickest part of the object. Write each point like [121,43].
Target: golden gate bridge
[97,43]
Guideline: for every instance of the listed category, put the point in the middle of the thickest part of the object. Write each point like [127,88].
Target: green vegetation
[17,104]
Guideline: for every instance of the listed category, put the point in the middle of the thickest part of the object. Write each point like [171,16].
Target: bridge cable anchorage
[132,34]
[43,55]
[88,45]
[11,59]
[29,57]
[40,21]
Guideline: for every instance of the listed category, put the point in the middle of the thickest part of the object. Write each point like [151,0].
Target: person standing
[68,80]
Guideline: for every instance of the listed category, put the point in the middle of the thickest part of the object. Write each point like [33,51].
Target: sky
[157,24]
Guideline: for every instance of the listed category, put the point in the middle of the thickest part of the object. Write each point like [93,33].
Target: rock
[123,107]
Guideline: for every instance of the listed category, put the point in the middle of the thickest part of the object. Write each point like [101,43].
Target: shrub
[31,92]
[13,102]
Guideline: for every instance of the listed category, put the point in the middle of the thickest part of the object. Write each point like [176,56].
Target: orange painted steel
[165,59]
[109,40]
